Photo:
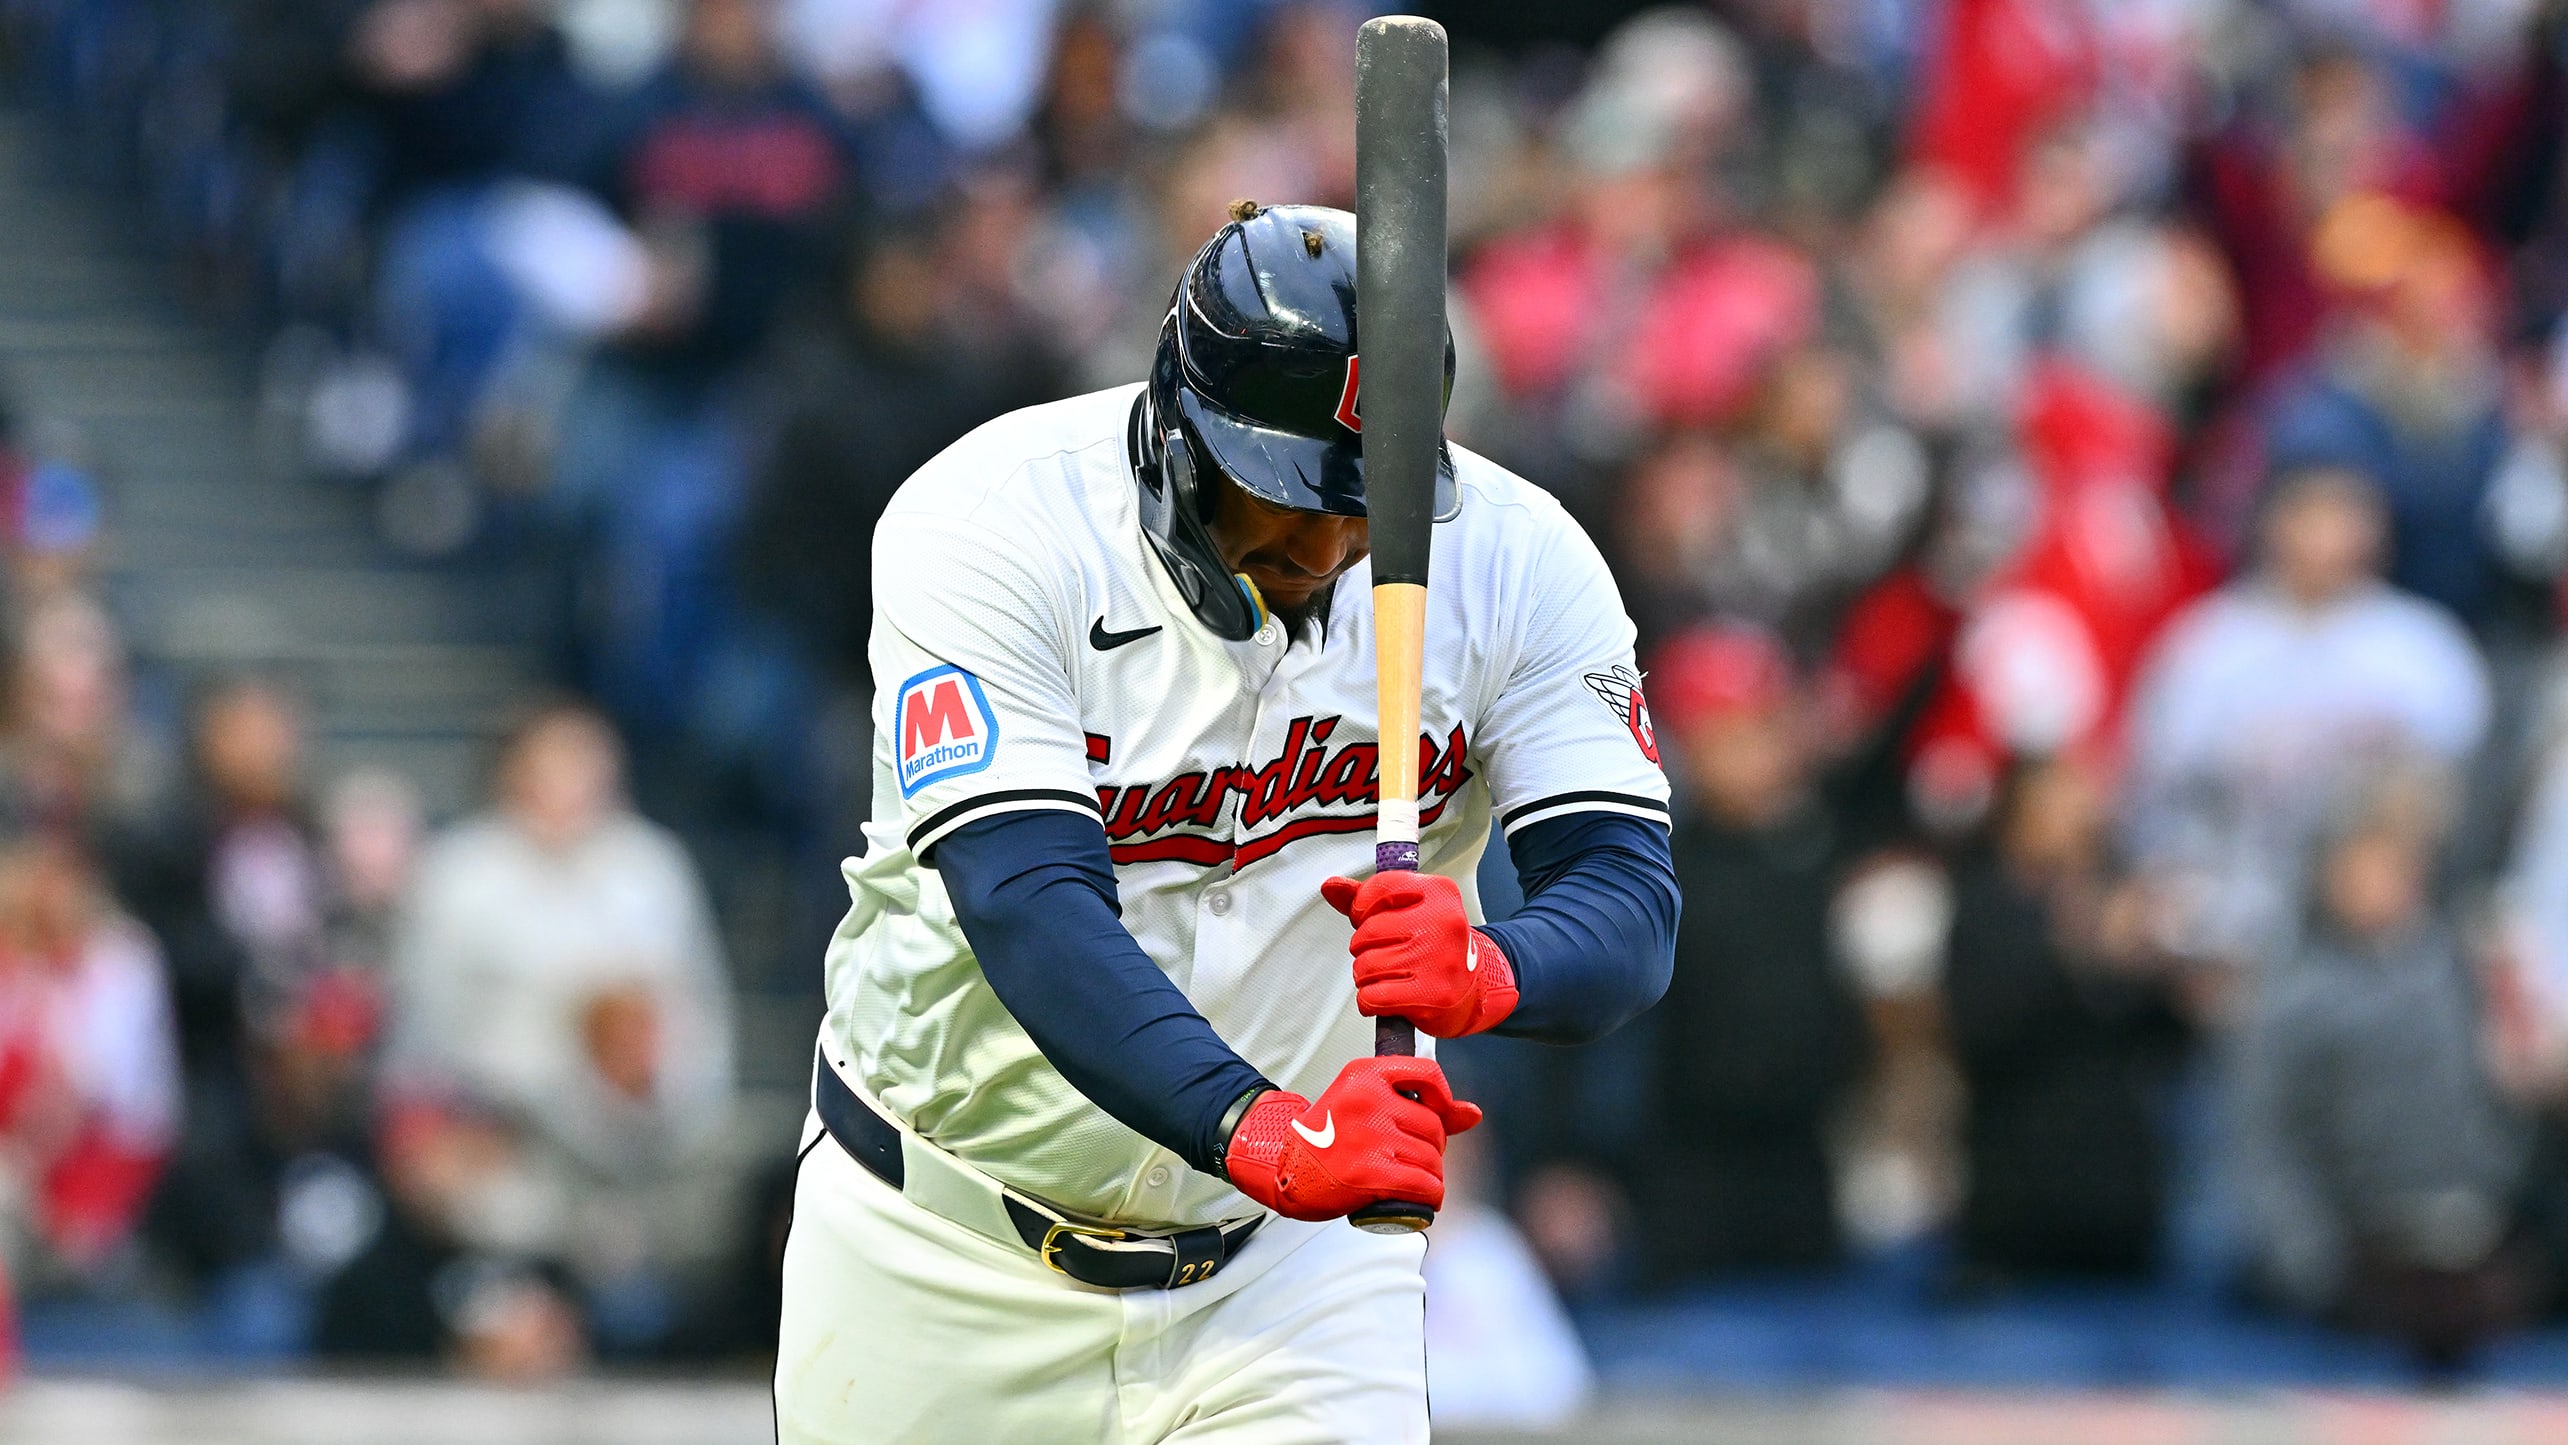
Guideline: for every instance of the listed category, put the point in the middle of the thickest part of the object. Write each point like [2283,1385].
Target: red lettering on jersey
[1174,800]
[1216,796]
[935,717]
[1353,777]
[1152,822]
[1347,415]
[1269,788]
[1441,770]
[1121,808]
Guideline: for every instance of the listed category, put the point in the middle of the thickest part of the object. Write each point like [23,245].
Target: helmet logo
[1347,414]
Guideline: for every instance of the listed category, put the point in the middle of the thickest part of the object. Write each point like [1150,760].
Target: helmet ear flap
[1185,476]
[1171,501]
[1177,461]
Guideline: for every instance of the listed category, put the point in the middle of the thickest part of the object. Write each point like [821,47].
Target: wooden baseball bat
[1400,130]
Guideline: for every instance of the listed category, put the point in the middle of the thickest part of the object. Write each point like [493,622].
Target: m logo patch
[942,728]
[1620,690]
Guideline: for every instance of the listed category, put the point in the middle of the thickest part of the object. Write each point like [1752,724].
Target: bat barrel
[1400,124]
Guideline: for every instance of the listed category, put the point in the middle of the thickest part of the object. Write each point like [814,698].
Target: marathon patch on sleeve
[942,728]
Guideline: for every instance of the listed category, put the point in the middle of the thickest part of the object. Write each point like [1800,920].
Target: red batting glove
[1417,956]
[1364,1140]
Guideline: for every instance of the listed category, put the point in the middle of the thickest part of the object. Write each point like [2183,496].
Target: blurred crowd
[274,1050]
[2089,480]
[2091,477]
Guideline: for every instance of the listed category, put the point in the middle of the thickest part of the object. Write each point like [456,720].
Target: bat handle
[1394,1038]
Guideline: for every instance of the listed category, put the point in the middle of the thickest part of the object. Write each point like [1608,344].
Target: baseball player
[1097,1078]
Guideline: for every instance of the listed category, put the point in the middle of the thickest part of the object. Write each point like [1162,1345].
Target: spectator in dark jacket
[231,877]
[416,1292]
[1759,1036]
[738,180]
[459,92]
[868,395]
[452,104]
[2060,1029]
[739,175]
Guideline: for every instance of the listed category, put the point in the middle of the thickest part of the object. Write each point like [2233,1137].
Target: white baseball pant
[902,1326]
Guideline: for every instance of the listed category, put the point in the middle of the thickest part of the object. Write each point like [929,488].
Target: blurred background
[2091,476]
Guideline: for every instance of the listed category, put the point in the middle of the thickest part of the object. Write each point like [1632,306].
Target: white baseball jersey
[1030,652]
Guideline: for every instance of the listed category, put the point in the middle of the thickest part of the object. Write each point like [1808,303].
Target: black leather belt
[1097,1254]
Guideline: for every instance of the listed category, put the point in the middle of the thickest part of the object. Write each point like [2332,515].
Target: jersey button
[1267,633]
[1220,903]
[1158,1176]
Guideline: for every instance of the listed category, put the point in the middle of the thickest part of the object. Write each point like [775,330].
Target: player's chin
[1287,597]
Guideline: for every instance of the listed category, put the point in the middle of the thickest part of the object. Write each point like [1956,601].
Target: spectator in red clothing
[2267,180]
[2003,72]
[89,1096]
[2043,647]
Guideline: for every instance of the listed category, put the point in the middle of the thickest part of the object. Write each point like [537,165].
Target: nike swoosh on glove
[1366,1139]
[1417,956]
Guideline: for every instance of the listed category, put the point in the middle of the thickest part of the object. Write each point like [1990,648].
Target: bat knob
[1392,1216]
[1393,1037]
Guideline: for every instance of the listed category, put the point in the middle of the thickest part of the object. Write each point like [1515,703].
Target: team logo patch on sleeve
[943,728]
[1620,688]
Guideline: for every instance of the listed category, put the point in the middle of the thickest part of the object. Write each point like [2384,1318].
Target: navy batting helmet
[1257,376]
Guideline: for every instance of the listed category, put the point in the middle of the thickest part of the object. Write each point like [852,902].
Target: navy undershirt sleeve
[1035,893]
[1596,940]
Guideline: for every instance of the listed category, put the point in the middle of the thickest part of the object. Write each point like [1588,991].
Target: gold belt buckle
[1060,1227]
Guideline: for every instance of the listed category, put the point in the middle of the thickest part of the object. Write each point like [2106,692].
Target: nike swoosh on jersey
[1323,1138]
[1104,641]
[1471,956]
